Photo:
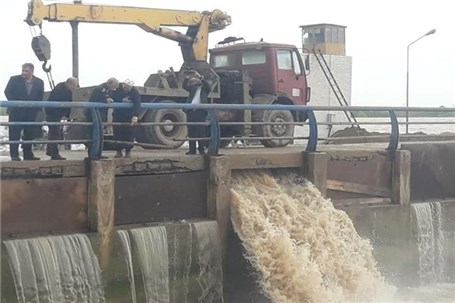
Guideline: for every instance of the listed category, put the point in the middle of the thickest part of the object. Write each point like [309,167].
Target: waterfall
[152,246]
[209,258]
[180,253]
[430,241]
[55,269]
[126,242]
[179,263]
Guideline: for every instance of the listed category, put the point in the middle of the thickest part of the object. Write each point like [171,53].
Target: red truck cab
[275,69]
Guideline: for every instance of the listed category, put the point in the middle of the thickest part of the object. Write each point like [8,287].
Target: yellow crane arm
[194,43]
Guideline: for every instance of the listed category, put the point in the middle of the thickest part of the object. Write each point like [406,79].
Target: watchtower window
[328,35]
[341,35]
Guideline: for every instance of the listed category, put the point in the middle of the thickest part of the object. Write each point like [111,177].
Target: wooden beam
[401,177]
[314,168]
[101,206]
[101,195]
[141,166]
[359,188]
[43,169]
[264,161]
[362,201]
[218,197]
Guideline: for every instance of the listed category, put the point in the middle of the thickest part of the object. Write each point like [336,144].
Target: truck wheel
[164,134]
[276,130]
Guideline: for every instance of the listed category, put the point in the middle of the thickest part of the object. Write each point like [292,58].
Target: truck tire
[275,131]
[164,134]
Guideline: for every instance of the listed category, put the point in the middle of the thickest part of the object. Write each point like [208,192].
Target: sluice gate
[120,205]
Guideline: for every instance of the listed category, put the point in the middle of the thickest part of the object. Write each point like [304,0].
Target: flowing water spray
[181,237]
[166,260]
[210,276]
[126,242]
[55,269]
[304,249]
[153,253]
[430,241]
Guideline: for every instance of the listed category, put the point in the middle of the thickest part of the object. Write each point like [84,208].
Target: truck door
[290,75]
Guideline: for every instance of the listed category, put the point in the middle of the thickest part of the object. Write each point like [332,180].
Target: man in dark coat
[129,94]
[199,90]
[62,92]
[24,87]
[103,94]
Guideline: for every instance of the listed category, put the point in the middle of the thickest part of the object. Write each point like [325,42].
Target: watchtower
[329,38]
[331,71]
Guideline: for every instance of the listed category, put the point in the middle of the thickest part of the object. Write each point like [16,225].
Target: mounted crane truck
[240,72]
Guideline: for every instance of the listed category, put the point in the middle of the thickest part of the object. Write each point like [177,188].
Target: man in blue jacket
[24,87]
[199,90]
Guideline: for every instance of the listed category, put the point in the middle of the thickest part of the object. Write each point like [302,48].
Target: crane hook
[46,69]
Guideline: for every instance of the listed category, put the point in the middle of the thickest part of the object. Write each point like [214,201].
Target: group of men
[27,87]
[114,91]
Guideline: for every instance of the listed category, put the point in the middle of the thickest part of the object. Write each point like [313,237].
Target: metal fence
[96,140]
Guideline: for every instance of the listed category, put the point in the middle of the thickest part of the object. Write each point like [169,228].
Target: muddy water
[304,249]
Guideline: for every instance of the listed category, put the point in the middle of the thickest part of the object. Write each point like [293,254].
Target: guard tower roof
[321,24]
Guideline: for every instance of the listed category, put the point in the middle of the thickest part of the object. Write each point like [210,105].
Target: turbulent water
[304,249]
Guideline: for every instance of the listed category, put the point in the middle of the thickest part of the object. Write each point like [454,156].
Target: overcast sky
[377,36]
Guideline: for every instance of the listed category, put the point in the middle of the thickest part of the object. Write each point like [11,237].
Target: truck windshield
[284,59]
[288,60]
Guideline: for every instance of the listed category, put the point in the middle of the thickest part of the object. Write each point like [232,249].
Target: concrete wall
[392,230]
[432,170]
[321,92]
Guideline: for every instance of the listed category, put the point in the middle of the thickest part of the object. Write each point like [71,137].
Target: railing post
[214,143]
[96,147]
[313,136]
[394,132]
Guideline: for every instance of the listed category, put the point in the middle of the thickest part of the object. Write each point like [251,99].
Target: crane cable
[42,49]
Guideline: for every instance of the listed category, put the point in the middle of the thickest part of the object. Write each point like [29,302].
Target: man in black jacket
[103,93]
[24,87]
[62,92]
[126,93]
[199,90]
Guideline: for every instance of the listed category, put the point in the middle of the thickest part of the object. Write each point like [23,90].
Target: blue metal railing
[96,142]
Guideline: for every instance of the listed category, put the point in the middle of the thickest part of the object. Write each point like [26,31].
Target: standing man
[127,93]
[199,90]
[24,87]
[62,92]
